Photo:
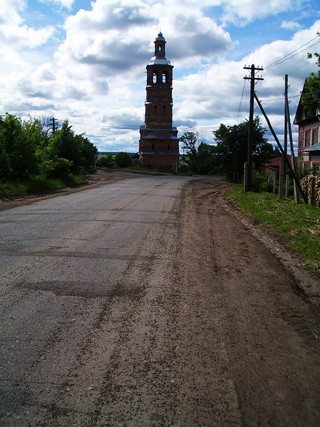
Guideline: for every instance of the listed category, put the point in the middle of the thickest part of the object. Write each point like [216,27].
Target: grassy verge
[39,185]
[297,225]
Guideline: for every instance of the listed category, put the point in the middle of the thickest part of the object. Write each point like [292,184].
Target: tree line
[27,149]
[228,155]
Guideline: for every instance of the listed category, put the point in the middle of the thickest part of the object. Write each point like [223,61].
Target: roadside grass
[39,185]
[297,225]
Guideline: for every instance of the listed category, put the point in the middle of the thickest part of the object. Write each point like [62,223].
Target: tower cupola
[159,51]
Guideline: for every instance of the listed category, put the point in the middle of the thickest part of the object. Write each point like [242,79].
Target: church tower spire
[159,144]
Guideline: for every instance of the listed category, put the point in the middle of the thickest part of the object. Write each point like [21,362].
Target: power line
[294,53]
[240,103]
[278,99]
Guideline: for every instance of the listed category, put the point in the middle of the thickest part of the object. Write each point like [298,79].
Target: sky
[85,62]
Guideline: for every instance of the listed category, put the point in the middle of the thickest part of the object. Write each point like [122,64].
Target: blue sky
[85,61]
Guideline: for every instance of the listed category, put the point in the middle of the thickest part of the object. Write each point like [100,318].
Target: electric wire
[241,99]
[294,52]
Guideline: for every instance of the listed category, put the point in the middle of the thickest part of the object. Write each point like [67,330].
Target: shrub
[123,160]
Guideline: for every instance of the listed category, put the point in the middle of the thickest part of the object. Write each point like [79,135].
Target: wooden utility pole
[54,124]
[283,163]
[294,175]
[287,111]
[252,78]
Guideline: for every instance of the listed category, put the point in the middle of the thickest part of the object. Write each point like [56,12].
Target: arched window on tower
[164,77]
[154,77]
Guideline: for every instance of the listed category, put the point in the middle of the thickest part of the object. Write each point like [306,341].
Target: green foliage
[311,92]
[105,161]
[190,141]
[123,160]
[260,183]
[27,151]
[228,156]
[18,147]
[39,184]
[296,224]
[231,148]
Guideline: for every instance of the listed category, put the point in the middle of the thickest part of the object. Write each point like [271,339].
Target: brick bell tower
[159,144]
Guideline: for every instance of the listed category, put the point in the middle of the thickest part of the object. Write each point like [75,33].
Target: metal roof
[159,60]
[314,147]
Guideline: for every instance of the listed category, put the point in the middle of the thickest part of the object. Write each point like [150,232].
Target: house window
[314,136]
[307,139]
[152,148]
[169,146]
[164,77]
[301,139]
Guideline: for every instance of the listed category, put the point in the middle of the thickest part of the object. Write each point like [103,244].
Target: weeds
[297,225]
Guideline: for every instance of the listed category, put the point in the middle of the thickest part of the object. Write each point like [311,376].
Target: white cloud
[290,25]
[244,11]
[96,77]
[14,33]
[9,11]
[67,4]
[247,10]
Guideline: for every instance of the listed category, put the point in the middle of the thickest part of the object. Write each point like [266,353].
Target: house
[309,138]
[272,170]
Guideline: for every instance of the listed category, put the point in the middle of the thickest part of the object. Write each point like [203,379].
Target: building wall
[308,135]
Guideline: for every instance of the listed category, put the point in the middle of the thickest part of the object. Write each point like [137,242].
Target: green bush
[261,184]
[123,160]
[105,161]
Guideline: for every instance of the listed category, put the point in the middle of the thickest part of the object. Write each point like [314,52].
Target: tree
[231,148]
[206,162]
[88,152]
[76,149]
[63,144]
[311,91]
[26,150]
[190,141]
[18,147]
[123,160]
[106,161]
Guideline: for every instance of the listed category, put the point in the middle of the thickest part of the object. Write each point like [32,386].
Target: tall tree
[311,91]
[189,142]
[231,148]
[18,147]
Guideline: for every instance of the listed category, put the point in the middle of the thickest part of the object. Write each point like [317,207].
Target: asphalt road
[73,269]
[145,303]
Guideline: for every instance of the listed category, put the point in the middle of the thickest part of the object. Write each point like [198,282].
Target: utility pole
[287,111]
[283,163]
[252,78]
[295,177]
[54,124]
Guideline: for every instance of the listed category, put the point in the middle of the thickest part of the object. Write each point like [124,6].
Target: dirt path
[251,331]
